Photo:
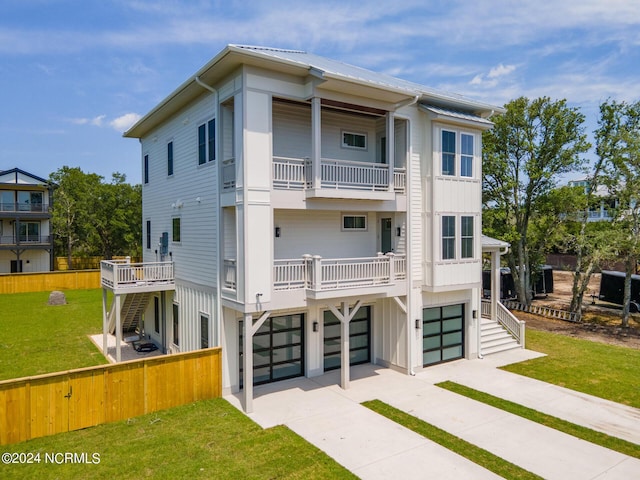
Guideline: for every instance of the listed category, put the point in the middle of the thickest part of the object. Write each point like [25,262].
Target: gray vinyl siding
[191,194]
[291,130]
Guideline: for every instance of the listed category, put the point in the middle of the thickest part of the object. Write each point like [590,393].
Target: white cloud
[95,121]
[124,122]
[501,70]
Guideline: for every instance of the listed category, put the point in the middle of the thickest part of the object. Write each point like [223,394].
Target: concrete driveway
[373,447]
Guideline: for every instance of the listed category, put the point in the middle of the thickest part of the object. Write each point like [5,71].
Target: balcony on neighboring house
[121,276]
[25,240]
[13,207]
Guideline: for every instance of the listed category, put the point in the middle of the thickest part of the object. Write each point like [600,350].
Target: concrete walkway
[373,447]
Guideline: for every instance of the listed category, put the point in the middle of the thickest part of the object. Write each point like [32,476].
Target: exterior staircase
[495,338]
[133,306]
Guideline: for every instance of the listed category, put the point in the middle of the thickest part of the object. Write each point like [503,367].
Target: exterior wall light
[315,326]
[277,232]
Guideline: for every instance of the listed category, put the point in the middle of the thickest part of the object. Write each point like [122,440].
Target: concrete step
[496,335]
[500,348]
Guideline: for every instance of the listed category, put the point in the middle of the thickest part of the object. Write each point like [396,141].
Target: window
[146,169]
[448,237]
[148,234]
[207,142]
[466,237]
[30,201]
[354,222]
[466,155]
[204,331]
[29,232]
[176,229]
[448,152]
[354,140]
[156,314]
[170,158]
[176,325]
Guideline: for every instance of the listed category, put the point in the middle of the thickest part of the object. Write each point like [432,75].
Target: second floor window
[448,237]
[457,153]
[207,142]
[146,169]
[448,153]
[466,237]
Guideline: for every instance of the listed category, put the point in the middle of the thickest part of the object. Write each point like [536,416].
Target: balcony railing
[297,174]
[229,274]
[25,239]
[229,173]
[121,274]
[24,207]
[318,274]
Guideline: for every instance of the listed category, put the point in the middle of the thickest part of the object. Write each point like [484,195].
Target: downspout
[218,306]
[407,103]
[409,280]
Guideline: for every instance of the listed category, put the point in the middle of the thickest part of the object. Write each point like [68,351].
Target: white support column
[345,366]
[247,363]
[316,143]
[345,318]
[391,149]
[105,323]
[249,330]
[118,329]
[495,283]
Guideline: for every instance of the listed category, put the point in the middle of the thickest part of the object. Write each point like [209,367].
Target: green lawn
[37,338]
[606,371]
[207,439]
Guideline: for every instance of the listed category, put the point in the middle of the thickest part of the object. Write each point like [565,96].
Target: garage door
[278,349]
[359,339]
[442,334]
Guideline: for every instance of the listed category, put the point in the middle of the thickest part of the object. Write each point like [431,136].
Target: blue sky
[74,74]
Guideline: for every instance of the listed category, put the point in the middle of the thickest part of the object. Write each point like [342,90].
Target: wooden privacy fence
[48,281]
[87,263]
[43,405]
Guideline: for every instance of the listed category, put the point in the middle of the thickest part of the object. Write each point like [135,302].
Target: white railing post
[316,273]
[392,266]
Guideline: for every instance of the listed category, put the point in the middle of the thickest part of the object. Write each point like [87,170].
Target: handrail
[121,273]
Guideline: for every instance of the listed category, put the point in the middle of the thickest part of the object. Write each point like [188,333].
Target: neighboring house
[26,243]
[313,213]
[605,208]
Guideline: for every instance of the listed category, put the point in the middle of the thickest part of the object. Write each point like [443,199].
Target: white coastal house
[26,242]
[307,215]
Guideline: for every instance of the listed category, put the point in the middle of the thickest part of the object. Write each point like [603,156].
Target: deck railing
[505,318]
[121,273]
[297,174]
[25,239]
[229,274]
[24,207]
[315,273]
[229,173]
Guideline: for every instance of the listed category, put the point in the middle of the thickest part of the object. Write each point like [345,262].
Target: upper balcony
[121,276]
[322,278]
[15,209]
[26,240]
[339,178]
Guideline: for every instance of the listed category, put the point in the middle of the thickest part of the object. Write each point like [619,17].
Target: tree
[90,217]
[618,146]
[525,153]
[70,213]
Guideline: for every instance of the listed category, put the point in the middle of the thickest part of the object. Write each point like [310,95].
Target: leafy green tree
[618,147]
[524,155]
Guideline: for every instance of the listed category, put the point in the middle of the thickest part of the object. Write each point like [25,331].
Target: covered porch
[500,329]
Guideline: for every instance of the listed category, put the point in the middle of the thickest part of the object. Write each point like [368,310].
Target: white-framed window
[457,153]
[175,229]
[207,142]
[355,140]
[448,237]
[466,237]
[176,325]
[204,330]
[351,222]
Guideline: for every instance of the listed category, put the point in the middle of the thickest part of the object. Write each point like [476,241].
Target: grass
[605,371]
[38,338]
[207,439]
[578,431]
[472,452]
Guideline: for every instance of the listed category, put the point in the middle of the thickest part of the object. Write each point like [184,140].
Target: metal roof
[488,243]
[457,114]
